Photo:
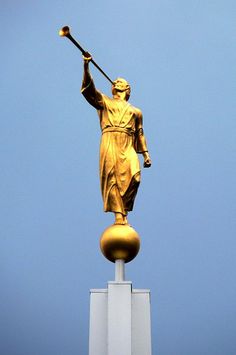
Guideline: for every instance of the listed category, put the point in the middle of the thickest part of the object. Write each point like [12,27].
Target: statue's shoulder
[137,110]
[108,100]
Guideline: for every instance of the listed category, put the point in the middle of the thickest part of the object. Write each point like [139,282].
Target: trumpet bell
[65,31]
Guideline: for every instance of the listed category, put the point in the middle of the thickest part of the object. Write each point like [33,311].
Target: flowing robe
[122,138]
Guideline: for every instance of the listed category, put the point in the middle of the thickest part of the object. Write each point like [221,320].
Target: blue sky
[179,58]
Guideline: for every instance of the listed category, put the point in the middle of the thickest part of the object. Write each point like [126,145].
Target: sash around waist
[130,132]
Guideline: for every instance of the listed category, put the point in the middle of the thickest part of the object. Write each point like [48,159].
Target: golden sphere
[120,242]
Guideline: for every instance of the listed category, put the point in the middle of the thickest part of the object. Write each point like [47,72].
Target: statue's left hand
[147,160]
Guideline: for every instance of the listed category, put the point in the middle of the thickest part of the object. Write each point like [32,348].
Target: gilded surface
[120,242]
[122,138]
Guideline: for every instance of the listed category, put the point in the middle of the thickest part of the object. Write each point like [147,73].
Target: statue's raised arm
[92,95]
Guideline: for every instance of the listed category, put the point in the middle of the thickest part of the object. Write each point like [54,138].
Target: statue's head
[121,85]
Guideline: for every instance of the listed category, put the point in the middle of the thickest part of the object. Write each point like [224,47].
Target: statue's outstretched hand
[147,160]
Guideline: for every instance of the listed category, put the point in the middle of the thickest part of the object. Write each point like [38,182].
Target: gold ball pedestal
[120,242]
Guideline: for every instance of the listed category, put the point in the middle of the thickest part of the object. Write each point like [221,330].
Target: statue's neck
[120,95]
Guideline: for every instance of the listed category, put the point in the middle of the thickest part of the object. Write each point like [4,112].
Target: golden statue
[122,138]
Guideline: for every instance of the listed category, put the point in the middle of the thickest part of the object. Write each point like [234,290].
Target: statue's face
[120,85]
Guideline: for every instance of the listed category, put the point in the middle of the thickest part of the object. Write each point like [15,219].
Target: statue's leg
[129,197]
[120,218]
[115,204]
[127,200]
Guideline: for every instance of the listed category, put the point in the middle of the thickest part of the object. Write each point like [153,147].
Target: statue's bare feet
[120,219]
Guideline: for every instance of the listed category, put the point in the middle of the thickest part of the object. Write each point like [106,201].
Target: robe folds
[121,126]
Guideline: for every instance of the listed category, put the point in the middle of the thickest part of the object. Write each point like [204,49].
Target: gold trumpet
[65,32]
